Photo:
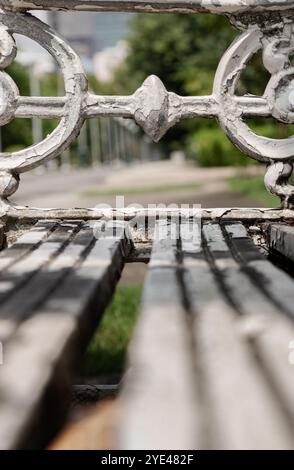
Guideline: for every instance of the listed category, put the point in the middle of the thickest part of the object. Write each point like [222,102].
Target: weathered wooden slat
[30,278]
[26,243]
[281,238]
[234,392]
[24,267]
[159,406]
[46,346]
[267,328]
[276,283]
[243,292]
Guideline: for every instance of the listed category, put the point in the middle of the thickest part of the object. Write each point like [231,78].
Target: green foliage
[253,187]
[254,77]
[184,51]
[51,85]
[211,147]
[17,134]
[180,49]
[107,351]
[20,76]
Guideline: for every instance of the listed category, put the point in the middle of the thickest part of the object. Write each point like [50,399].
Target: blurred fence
[107,141]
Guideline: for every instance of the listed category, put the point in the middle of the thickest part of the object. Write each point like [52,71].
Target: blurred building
[77,28]
[110,29]
[93,33]
[107,60]
[32,54]
[96,37]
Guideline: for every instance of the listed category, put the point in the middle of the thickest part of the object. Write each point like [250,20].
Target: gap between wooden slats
[234,392]
[46,345]
[159,399]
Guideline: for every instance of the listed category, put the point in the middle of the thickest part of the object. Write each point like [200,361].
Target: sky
[102,30]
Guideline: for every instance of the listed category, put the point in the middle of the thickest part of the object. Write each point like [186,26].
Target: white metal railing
[183,6]
[265,26]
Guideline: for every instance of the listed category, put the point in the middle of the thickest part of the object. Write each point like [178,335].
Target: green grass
[253,187]
[93,192]
[106,353]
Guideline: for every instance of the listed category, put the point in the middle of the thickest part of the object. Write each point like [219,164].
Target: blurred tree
[18,133]
[184,52]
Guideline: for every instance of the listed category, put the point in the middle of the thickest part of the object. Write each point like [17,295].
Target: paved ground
[92,186]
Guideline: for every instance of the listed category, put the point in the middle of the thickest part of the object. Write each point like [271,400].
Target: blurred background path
[156,182]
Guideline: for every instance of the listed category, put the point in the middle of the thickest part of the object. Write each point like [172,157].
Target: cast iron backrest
[265,25]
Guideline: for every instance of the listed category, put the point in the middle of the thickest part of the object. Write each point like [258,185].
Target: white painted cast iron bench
[211,357]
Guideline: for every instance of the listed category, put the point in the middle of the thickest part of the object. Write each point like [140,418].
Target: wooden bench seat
[55,282]
[211,362]
[211,349]
[211,345]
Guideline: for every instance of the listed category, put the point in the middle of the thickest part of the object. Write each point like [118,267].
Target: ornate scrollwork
[279,88]
[277,44]
[75,87]
[152,106]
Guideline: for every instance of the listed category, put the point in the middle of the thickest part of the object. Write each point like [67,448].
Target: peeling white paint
[153,107]
[182,6]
